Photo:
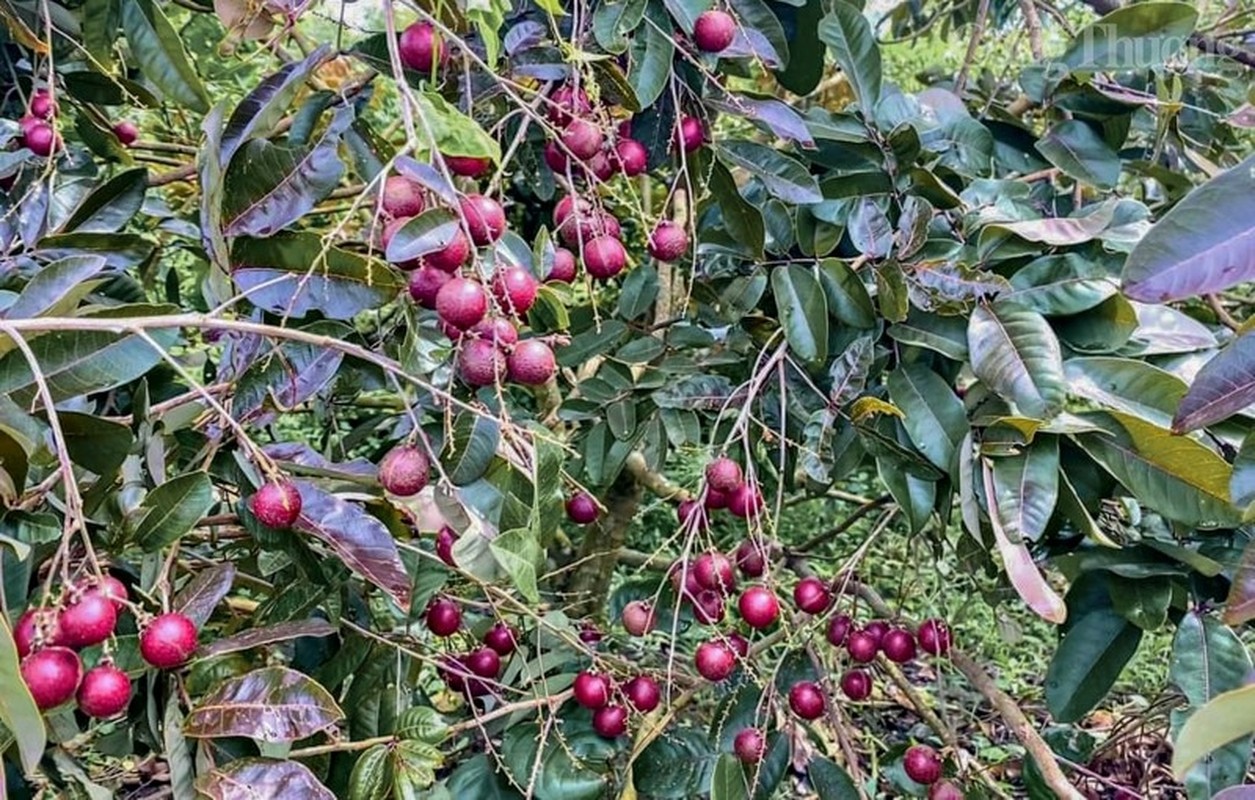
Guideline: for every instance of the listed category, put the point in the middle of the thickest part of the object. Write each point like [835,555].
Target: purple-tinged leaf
[524,36]
[264,106]
[426,233]
[1016,353]
[777,117]
[750,43]
[303,455]
[273,704]
[197,599]
[280,632]
[1028,581]
[1205,244]
[262,779]
[429,177]
[1240,605]
[1224,386]
[938,285]
[363,543]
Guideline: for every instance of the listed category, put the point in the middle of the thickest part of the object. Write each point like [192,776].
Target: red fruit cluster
[38,132]
[583,149]
[610,704]
[898,644]
[726,487]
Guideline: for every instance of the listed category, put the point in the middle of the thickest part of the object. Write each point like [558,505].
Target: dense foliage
[343,352]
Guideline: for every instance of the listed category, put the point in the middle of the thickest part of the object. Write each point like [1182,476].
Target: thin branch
[978,33]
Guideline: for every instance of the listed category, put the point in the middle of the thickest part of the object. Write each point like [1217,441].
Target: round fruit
[168,641]
[565,101]
[689,512]
[444,618]
[807,700]
[462,303]
[453,672]
[51,675]
[714,571]
[683,581]
[716,499]
[715,661]
[723,474]
[708,608]
[922,764]
[420,47]
[583,139]
[862,647]
[690,134]
[643,693]
[531,363]
[934,637]
[497,330]
[601,165]
[485,218]
[402,197]
[944,790]
[568,205]
[42,105]
[668,241]
[446,538]
[425,285]
[713,31]
[104,692]
[856,684]
[590,634]
[750,745]
[898,645]
[37,625]
[877,628]
[481,363]
[89,621]
[631,156]
[515,289]
[839,628]
[452,256]
[638,618]
[739,644]
[276,504]
[555,159]
[389,233]
[564,267]
[468,166]
[751,558]
[610,722]
[758,606]
[604,257]
[111,588]
[811,595]
[591,690]
[484,662]
[582,508]
[745,501]
[42,140]
[500,637]
[403,471]
[126,132]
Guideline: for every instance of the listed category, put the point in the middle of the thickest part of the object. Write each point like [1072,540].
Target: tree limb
[1208,44]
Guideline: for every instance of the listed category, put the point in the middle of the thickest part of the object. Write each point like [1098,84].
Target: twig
[1033,20]
[1222,313]
[845,524]
[978,33]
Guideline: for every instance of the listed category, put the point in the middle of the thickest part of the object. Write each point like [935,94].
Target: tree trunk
[589,583]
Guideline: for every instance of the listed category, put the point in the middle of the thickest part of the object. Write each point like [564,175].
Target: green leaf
[849,36]
[261,779]
[1142,601]
[848,300]
[914,495]
[1061,284]
[270,186]
[783,177]
[1124,384]
[1225,718]
[173,509]
[614,20]
[454,133]
[741,219]
[803,311]
[728,781]
[339,283]
[1087,663]
[570,769]
[1223,387]
[1132,38]
[371,778]
[806,53]
[263,107]
[76,363]
[1174,475]
[518,552]
[17,708]
[423,724]
[595,341]
[272,704]
[651,54]
[98,444]
[1193,249]
[158,48]
[830,781]
[640,290]
[1240,604]
[944,335]
[1208,659]
[1015,352]
[58,286]
[1080,151]
[111,205]
[935,418]
[1026,489]
[470,447]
